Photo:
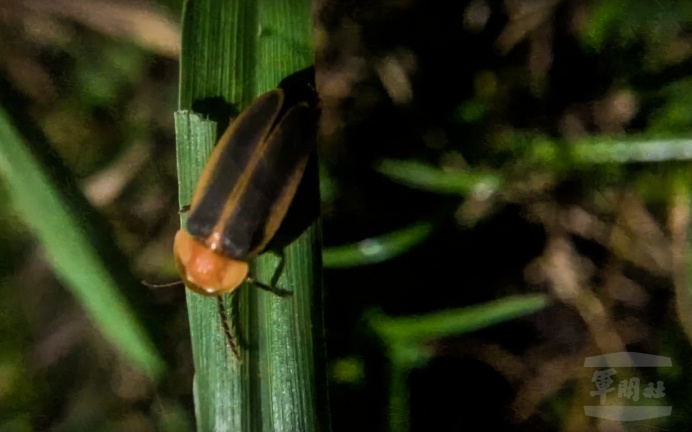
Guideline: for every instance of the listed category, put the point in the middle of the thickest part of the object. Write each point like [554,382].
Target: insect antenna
[161,285]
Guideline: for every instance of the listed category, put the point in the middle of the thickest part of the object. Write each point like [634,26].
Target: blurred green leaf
[675,114]
[377,249]
[425,177]
[453,322]
[603,150]
[405,339]
[73,259]
[610,22]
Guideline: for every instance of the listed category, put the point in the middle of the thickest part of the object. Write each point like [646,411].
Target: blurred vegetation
[505,192]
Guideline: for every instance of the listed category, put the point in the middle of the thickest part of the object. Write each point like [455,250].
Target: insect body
[244,192]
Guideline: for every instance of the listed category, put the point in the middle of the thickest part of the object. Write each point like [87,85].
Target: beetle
[244,192]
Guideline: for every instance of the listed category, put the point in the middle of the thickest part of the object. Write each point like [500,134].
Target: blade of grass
[236,50]
[72,257]
[405,339]
[425,177]
[289,331]
[217,386]
[452,322]
[377,249]
[604,150]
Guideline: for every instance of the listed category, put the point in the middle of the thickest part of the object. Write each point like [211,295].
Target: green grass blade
[377,249]
[72,257]
[405,339]
[425,177]
[612,151]
[289,330]
[604,150]
[217,386]
[236,50]
[418,329]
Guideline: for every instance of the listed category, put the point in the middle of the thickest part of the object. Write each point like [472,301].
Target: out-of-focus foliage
[89,87]
[562,128]
[610,24]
